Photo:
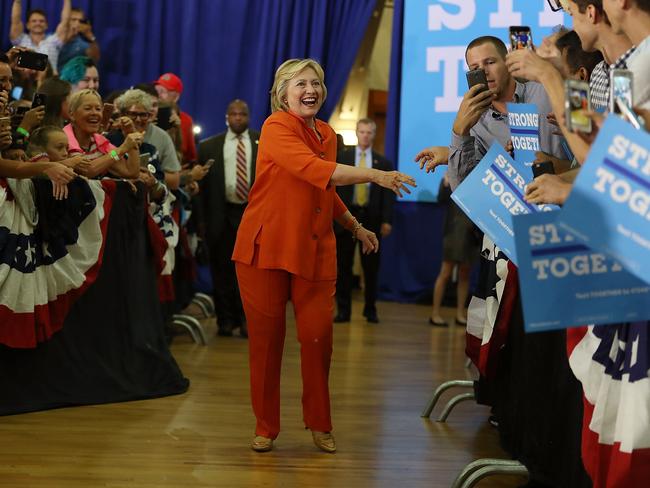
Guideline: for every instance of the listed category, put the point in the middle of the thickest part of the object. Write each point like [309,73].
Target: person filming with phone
[483,117]
[36,37]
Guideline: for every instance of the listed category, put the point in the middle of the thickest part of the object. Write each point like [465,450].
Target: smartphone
[520,37]
[39,100]
[576,102]
[32,60]
[620,88]
[476,77]
[629,115]
[107,114]
[164,114]
[208,164]
[17,115]
[144,160]
[542,168]
[17,92]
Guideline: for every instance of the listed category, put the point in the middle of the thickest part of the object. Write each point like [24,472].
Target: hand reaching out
[59,174]
[432,157]
[395,181]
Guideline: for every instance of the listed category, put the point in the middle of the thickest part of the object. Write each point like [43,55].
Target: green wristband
[113,154]
[22,131]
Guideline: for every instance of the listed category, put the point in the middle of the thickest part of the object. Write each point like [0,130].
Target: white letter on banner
[439,17]
[450,57]
[548,18]
[504,16]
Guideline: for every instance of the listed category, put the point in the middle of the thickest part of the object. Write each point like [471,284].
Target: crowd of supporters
[526,378]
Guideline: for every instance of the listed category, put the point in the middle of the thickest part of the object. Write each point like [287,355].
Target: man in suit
[224,194]
[372,205]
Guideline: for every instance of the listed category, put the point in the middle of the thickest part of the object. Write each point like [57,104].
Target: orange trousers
[264,294]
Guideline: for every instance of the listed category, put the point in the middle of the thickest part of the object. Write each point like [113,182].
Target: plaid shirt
[51,46]
[599,81]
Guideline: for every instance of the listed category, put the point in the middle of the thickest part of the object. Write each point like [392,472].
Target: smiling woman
[86,108]
[286,249]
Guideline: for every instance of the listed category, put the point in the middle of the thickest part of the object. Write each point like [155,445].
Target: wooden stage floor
[382,376]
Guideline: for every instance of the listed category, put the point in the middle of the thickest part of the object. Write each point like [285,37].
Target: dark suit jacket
[213,186]
[380,200]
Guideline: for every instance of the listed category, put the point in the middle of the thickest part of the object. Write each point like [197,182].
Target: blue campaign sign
[609,206]
[564,283]
[523,119]
[493,193]
[436,33]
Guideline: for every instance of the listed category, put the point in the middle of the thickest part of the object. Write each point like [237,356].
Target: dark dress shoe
[225,330]
[436,323]
[372,317]
[339,319]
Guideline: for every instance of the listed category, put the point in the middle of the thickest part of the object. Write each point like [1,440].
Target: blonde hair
[74,102]
[286,72]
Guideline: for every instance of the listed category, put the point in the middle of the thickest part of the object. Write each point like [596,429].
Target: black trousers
[345,249]
[227,301]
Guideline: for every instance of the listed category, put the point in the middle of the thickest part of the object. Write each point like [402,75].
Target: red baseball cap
[171,82]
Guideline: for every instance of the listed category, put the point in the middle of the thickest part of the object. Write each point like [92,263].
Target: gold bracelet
[357,226]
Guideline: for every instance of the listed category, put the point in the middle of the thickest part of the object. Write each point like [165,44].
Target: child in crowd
[49,143]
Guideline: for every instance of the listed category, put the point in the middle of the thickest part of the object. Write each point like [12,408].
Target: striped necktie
[361,189]
[241,189]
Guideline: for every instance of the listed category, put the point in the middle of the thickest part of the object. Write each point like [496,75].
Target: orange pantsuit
[286,250]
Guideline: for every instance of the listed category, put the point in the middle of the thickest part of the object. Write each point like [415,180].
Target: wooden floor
[382,376]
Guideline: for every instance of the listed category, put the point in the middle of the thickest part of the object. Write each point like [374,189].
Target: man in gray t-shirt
[167,154]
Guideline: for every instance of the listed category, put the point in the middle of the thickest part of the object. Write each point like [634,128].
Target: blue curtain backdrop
[411,255]
[221,49]
[226,49]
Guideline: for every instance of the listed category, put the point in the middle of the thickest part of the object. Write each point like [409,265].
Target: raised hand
[475,103]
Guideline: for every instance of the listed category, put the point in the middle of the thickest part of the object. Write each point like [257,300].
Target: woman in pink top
[86,109]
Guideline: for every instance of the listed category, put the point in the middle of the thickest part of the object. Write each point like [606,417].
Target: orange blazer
[292,204]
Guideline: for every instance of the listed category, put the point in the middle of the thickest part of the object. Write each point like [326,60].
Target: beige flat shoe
[324,441]
[261,444]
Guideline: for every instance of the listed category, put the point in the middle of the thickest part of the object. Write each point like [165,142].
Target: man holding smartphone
[482,116]
[36,37]
[633,19]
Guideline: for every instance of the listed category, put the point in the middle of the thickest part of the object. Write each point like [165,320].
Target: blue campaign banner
[609,206]
[564,283]
[436,33]
[523,119]
[493,194]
